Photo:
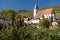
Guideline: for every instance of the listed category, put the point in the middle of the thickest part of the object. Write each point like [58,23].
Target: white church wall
[25,21]
[44,15]
[41,17]
[54,19]
[47,15]
[35,21]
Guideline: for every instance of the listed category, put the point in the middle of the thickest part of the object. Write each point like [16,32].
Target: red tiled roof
[42,12]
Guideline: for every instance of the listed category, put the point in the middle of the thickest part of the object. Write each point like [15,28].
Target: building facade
[39,14]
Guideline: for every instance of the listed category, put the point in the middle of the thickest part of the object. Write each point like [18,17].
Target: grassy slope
[26,13]
[30,13]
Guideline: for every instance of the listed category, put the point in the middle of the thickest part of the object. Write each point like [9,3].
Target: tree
[19,21]
[2,26]
[10,14]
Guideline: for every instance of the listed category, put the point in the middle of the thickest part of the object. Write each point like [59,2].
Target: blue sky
[26,4]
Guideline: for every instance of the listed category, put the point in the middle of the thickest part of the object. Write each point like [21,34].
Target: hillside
[25,13]
[29,13]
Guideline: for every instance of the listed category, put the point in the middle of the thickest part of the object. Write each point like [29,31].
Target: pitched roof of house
[42,12]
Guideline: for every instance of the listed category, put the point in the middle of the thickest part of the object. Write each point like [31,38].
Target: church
[39,14]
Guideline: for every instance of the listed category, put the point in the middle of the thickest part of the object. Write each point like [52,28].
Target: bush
[44,23]
[28,33]
[58,23]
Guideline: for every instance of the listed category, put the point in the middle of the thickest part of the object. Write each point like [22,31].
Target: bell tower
[35,9]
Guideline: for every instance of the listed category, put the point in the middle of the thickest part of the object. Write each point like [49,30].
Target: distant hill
[29,13]
[25,13]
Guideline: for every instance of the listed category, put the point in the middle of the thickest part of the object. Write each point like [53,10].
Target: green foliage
[20,21]
[24,31]
[58,21]
[2,26]
[10,14]
[29,32]
[44,23]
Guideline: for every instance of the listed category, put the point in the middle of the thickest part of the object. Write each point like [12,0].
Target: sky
[26,4]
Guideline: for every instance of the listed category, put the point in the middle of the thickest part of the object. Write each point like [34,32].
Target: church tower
[35,9]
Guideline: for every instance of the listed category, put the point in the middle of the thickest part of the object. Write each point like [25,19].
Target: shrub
[44,23]
[58,23]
